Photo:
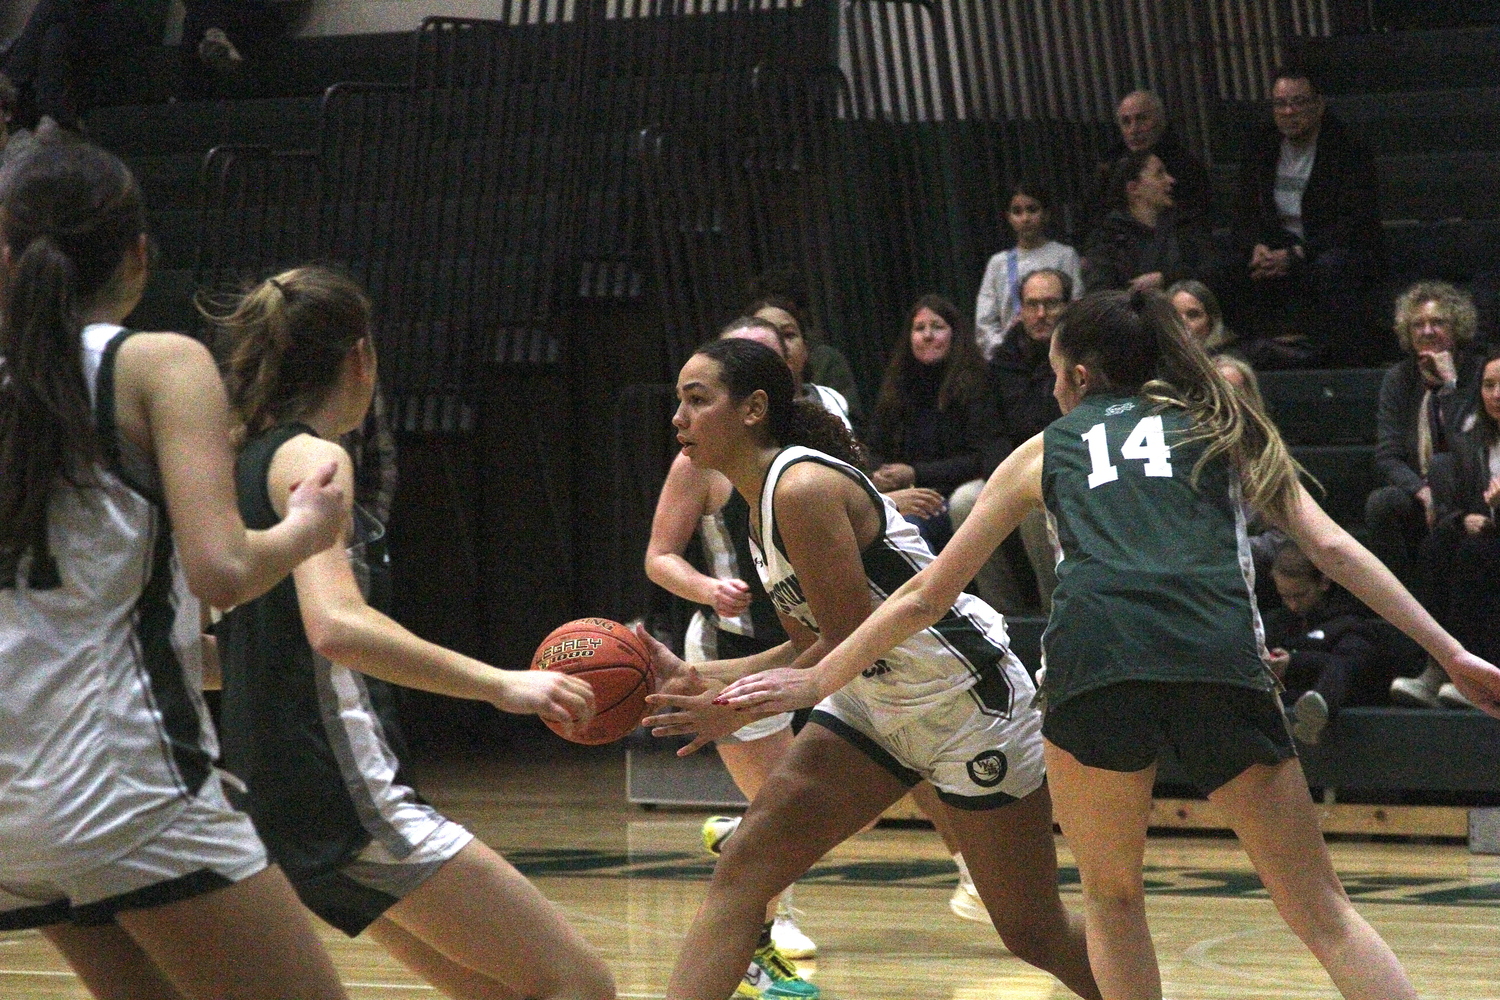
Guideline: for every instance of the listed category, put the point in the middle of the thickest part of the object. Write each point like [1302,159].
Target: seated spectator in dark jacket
[1324,645]
[1307,235]
[216,30]
[1461,558]
[1144,129]
[933,424]
[1021,575]
[48,61]
[1425,400]
[1141,243]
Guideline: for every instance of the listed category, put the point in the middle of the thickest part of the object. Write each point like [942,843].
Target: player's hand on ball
[731,598]
[665,664]
[554,696]
[784,689]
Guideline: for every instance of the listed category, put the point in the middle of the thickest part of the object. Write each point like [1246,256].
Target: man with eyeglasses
[1021,381]
[1308,232]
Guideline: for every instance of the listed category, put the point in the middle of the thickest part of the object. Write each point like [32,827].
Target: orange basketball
[616,664]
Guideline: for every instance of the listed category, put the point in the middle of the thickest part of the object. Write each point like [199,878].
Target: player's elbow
[219,584]
[331,636]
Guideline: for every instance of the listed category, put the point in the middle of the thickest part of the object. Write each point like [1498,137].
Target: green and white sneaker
[778,975]
[716,830]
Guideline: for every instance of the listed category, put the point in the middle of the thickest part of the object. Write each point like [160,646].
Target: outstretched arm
[1334,551]
[1011,493]
[341,627]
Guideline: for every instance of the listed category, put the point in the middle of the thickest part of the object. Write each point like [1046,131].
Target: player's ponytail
[746,366]
[1134,342]
[70,213]
[281,344]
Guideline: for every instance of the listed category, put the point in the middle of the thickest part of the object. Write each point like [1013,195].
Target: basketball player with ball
[362,850]
[952,705]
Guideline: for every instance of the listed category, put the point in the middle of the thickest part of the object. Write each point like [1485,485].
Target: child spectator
[998,307]
[1324,646]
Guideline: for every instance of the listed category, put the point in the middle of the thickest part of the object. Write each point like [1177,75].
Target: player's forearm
[676,575]
[724,671]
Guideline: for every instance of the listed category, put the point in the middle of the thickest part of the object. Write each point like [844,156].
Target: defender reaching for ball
[953,705]
[1154,637]
[360,848]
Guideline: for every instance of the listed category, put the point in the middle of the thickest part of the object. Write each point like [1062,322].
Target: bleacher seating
[1426,102]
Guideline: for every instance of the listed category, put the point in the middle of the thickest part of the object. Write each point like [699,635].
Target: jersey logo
[876,669]
[1119,408]
[988,769]
[787,596]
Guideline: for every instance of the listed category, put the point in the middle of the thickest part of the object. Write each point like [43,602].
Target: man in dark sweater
[1308,237]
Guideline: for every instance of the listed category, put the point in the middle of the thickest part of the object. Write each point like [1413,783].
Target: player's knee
[1321,922]
[1029,942]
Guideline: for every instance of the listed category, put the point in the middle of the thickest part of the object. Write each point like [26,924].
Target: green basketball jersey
[1156,581]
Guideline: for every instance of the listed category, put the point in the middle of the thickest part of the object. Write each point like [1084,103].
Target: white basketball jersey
[968,647]
[104,736]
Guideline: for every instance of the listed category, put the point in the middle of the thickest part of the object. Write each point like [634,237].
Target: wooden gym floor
[878,906]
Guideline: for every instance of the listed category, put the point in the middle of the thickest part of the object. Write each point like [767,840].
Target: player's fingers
[698,744]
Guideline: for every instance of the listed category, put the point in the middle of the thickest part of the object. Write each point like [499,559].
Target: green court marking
[1160,880]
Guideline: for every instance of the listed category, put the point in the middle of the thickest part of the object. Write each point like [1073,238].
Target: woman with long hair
[934,424]
[1154,637]
[117,516]
[362,850]
[952,705]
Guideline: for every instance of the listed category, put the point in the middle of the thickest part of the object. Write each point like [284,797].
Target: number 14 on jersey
[1145,443]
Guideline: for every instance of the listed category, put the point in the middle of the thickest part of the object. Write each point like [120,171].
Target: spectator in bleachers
[1425,400]
[933,425]
[1307,236]
[1324,646]
[999,303]
[1022,574]
[1144,128]
[47,61]
[819,367]
[1141,243]
[1461,558]
[1201,313]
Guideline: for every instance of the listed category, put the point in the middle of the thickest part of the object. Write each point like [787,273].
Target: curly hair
[1452,302]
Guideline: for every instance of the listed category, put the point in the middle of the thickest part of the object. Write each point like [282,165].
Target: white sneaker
[1309,717]
[1415,692]
[788,937]
[1449,696]
[965,903]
